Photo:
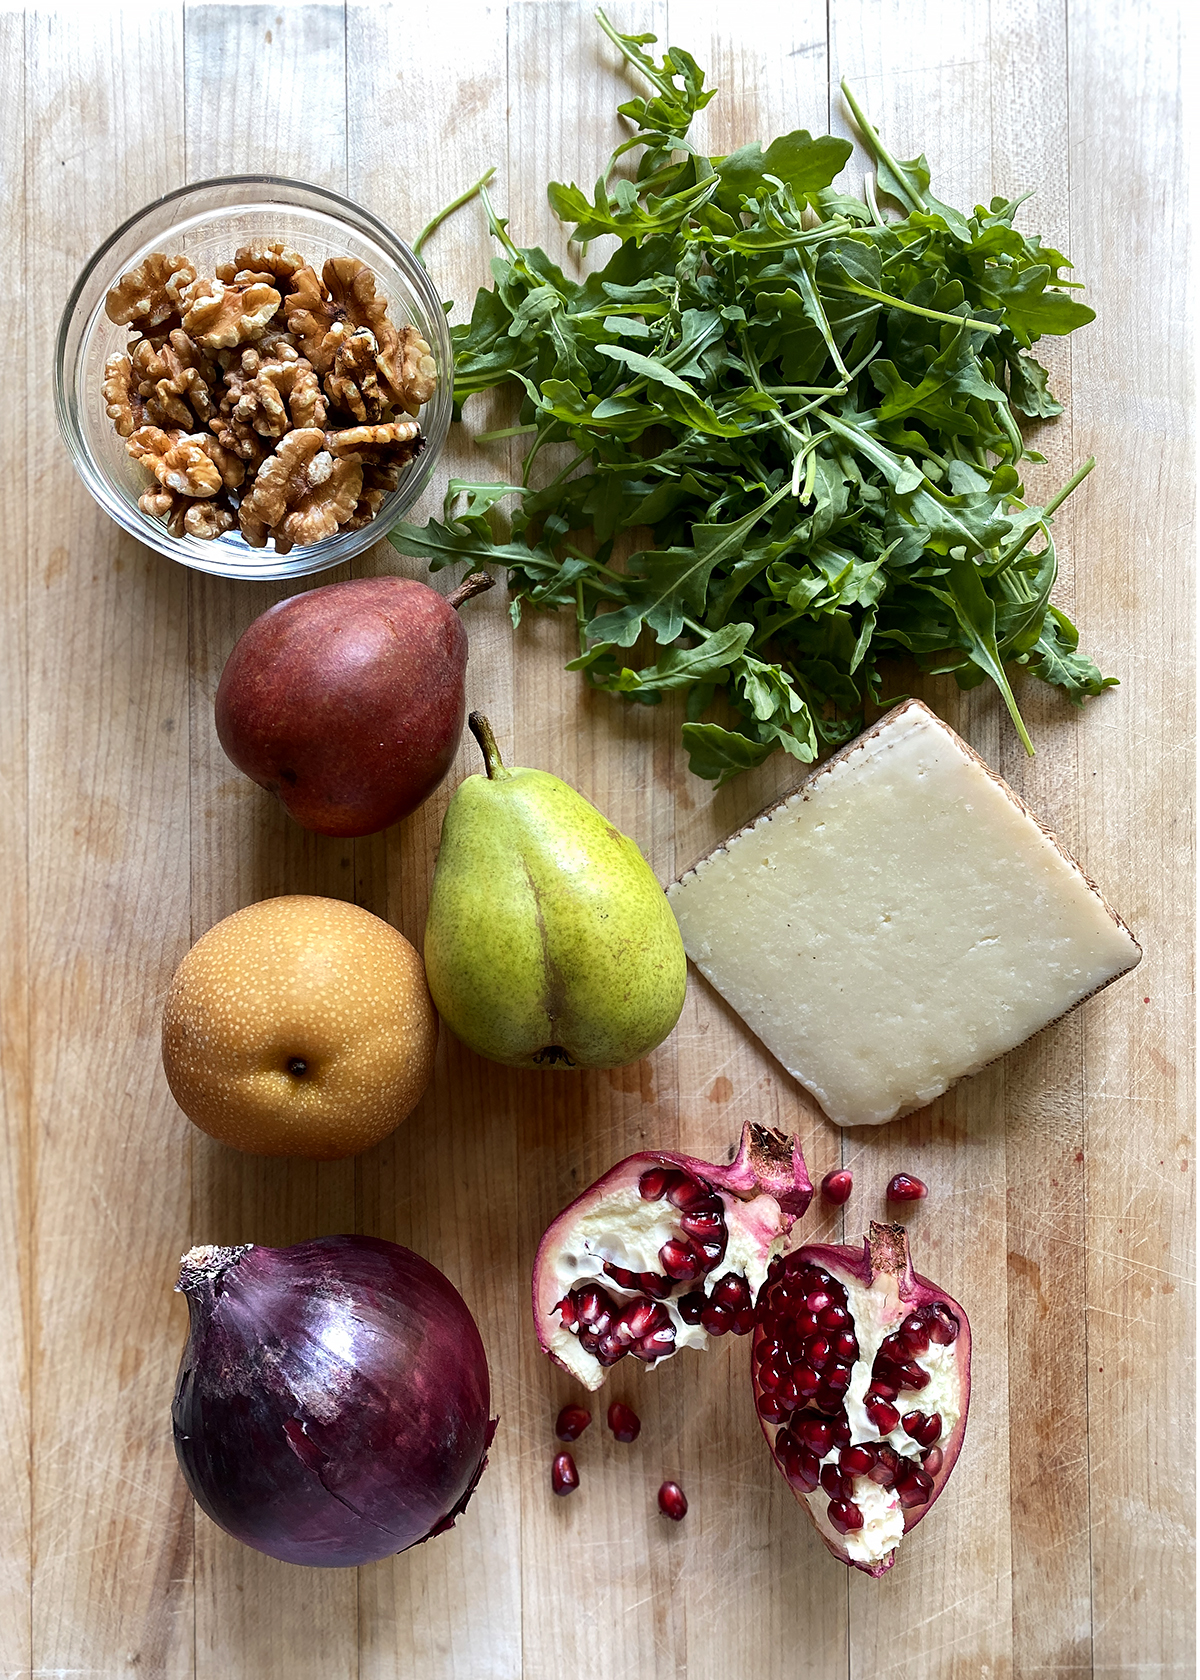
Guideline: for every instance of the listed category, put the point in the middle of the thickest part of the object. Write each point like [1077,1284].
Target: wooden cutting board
[1060,1181]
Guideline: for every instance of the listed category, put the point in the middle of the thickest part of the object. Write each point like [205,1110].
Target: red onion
[332,1400]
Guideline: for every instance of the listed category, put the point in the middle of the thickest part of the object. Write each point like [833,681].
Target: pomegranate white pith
[664,1252]
[862,1380]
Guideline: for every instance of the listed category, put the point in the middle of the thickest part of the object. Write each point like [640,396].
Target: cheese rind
[898,922]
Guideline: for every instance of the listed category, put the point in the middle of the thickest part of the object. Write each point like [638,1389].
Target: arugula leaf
[813,409]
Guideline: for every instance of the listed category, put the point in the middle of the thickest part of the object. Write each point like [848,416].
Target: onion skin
[332,1402]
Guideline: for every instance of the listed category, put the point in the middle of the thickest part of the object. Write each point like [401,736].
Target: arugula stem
[455,204]
[893,302]
[914,200]
[1008,555]
[503,432]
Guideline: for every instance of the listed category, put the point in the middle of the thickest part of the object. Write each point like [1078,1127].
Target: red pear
[347,702]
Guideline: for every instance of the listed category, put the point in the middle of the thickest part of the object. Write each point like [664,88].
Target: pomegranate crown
[770,1160]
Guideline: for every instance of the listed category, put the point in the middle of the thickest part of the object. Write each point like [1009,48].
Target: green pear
[549,941]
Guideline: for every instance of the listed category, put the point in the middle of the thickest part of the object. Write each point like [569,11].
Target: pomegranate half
[665,1251]
[862,1375]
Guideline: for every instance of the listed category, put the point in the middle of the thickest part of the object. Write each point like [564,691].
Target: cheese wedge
[897,922]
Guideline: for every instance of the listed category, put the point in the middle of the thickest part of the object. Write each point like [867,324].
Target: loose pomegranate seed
[653,1185]
[691,1306]
[905,1188]
[624,1422]
[836,1186]
[672,1501]
[856,1461]
[883,1415]
[844,1515]
[932,1460]
[564,1478]
[571,1422]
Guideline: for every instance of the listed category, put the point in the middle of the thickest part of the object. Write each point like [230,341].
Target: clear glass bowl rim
[346,209]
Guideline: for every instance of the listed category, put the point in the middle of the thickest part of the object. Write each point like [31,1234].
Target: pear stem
[482,731]
[473,585]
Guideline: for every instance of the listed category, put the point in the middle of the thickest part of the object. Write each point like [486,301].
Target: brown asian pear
[299,1026]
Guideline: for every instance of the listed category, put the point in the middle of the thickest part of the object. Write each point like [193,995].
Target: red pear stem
[475,584]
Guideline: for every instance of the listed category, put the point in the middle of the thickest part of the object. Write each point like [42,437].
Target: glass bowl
[207,222]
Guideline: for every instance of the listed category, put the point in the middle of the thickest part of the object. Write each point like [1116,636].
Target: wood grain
[1060,1207]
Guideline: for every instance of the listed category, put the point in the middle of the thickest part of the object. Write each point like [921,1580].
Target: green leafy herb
[812,406]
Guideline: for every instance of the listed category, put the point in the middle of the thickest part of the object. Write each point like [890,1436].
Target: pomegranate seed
[845,1346]
[627,1280]
[815,1433]
[807,1381]
[789,1392]
[591,1304]
[624,1422]
[912,1376]
[653,1185]
[932,1460]
[771,1409]
[886,1467]
[657,1344]
[806,1324]
[881,1390]
[818,1301]
[680,1261]
[943,1326]
[571,1422]
[609,1348]
[834,1318]
[672,1501]
[834,1483]
[713,1252]
[828,1399]
[841,1429]
[837,1377]
[706,1223]
[743,1322]
[638,1319]
[816,1352]
[732,1292]
[885,1417]
[691,1306]
[658,1288]
[716,1319]
[914,1488]
[689,1194]
[905,1188]
[925,1431]
[844,1515]
[915,1333]
[857,1460]
[564,1478]
[836,1186]
[803,1469]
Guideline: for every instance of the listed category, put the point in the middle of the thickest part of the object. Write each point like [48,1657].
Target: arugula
[813,406]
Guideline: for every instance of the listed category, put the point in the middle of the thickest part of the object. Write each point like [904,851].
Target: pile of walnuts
[266,398]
